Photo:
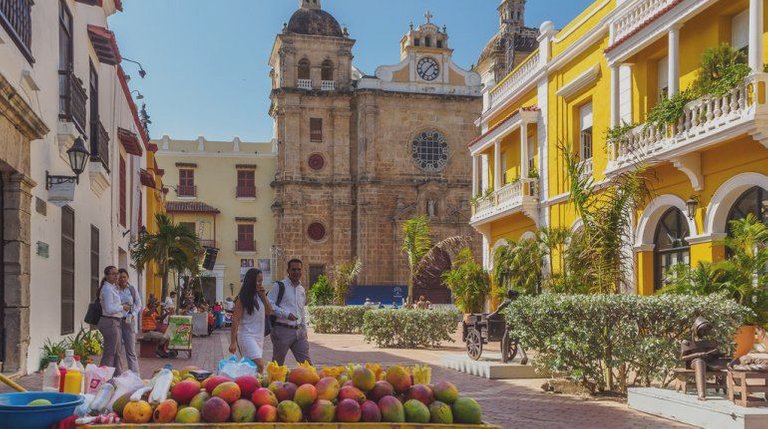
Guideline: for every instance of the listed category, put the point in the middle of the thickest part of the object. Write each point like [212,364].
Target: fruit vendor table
[297,426]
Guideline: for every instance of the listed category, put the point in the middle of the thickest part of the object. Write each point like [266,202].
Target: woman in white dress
[252,307]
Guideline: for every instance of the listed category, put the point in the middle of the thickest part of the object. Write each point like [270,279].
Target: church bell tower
[511,16]
[310,4]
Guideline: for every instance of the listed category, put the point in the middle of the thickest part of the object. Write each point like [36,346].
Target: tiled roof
[189,207]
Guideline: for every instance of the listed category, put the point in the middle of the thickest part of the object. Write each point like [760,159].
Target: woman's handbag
[93,315]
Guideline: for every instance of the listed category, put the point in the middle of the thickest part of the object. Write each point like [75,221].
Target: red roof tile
[189,207]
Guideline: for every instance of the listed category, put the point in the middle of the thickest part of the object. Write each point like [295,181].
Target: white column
[615,96]
[674,61]
[756,35]
[497,165]
[475,175]
[524,151]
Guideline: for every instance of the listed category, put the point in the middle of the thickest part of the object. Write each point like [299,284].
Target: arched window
[671,247]
[753,201]
[428,41]
[304,67]
[327,70]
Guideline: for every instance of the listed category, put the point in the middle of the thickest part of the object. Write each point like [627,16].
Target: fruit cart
[483,328]
[303,425]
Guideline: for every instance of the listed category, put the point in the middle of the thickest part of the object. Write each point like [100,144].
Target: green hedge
[637,338]
[337,320]
[410,328]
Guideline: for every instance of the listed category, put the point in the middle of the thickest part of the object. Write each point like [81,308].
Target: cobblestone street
[510,404]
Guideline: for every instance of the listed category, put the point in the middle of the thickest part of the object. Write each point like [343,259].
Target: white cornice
[579,83]
[169,154]
[559,38]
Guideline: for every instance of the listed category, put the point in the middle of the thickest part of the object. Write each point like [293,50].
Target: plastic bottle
[81,368]
[73,381]
[69,359]
[52,376]
[103,395]
[63,375]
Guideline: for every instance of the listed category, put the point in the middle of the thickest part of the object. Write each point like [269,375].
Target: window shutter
[316,129]
[123,199]
[585,114]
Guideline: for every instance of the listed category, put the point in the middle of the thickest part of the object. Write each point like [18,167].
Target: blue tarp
[383,294]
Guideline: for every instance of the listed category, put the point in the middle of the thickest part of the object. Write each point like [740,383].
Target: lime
[39,402]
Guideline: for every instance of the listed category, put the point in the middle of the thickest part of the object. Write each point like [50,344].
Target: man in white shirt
[170,302]
[289,330]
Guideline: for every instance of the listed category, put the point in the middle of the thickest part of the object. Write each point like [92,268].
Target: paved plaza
[510,404]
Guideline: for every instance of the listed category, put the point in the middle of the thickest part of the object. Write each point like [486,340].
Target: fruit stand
[353,395]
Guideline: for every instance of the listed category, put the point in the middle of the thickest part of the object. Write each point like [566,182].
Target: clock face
[428,69]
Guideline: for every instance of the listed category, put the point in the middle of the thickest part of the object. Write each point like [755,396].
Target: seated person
[422,303]
[369,303]
[152,330]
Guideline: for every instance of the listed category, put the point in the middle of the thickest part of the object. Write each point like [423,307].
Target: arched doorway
[753,201]
[430,283]
[670,245]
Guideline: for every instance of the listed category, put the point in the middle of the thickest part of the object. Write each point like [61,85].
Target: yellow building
[610,66]
[152,179]
[222,190]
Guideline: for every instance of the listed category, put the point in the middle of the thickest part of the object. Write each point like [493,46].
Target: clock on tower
[428,69]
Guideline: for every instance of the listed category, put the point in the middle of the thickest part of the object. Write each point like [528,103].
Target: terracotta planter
[745,340]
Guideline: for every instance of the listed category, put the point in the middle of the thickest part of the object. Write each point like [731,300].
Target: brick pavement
[508,403]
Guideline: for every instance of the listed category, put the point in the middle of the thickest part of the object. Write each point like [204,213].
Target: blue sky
[207,59]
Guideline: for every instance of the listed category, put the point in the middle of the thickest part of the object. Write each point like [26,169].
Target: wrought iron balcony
[72,99]
[16,18]
[520,195]
[186,191]
[99,144]
[706,121]
[246,192]
[245,246]
[208,243]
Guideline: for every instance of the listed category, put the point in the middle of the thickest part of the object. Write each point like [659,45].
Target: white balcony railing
[304,83]
[705,121]
[638,15]
[509,198]
[587,169]
[511,84]
[328,85]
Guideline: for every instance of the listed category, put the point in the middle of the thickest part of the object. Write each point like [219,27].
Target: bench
[686,380]
[743,385]
[147,347]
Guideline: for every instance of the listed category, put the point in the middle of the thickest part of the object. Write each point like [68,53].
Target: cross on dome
[429,17]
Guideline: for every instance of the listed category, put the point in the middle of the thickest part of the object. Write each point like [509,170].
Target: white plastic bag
[127,382]
[160,386]
[95,376]
[234,368]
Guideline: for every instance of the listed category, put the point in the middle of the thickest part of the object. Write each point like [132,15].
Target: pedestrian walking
[111,317]
[289,331]
[252,307]
[129,325]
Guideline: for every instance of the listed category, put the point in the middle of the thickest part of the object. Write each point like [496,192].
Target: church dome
[314,22]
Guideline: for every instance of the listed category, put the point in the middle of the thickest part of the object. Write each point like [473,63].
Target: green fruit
[440,413]
[39,402]
[416,411]
[467,410]
[120,404]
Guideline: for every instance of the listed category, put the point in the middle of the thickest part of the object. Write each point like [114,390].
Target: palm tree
[342,277]
[606,212]
[172,247]
[518,266]
[416,244]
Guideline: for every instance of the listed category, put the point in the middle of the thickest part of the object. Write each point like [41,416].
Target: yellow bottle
[73,381]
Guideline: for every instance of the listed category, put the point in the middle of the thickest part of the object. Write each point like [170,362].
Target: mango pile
[345,394]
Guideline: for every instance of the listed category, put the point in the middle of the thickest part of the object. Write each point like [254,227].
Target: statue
[702,355]
[431,212]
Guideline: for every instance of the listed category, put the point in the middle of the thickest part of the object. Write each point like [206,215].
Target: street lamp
[139,95]
[692,204]
[78,158]
[142,72]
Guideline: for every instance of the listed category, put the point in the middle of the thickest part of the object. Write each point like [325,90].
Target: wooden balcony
[99,144]
[72,100]
[16,18]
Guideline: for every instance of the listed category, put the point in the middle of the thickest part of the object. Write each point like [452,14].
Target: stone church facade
[359,154]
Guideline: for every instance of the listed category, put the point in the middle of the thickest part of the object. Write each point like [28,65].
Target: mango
[348,411]
[199,400]
[440,413]
[363,378]
[266,414]
[243,411]
[137,412]
[302,375]
[322,411]
[228,391]
[289,412]
[184,391]
[327,388]
[445,391]
[421,393]
[263,397]
[351,392]
[216,410]
[399,378]
[188,415]
[391,410]
[467,410]
[165,411]
[305,396]
[416,411]
[370,412]
[248,384]
[380,390]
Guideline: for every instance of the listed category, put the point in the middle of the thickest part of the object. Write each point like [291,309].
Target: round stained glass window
[430,151]
[316,231]
[316,162]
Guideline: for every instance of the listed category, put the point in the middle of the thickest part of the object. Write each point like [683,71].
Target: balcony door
[94,107]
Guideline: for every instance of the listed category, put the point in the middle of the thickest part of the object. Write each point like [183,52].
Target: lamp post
[142,72]
[78,158]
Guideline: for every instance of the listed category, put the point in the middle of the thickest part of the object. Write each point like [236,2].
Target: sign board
[265,265]
[245,265]
[180,331]
[61,194]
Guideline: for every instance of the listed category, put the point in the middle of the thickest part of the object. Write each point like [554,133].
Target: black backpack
[272,319]
[93,315]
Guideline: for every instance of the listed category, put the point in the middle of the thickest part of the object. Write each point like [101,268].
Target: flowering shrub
[410,328]
[337,320]
[607,342]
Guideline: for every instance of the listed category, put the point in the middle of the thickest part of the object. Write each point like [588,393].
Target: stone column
[673,73]
[756,35]
[475,175]
[524,151]
[615,96]
[17,217]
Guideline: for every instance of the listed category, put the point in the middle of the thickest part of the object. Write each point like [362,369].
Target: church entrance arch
[430,282]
